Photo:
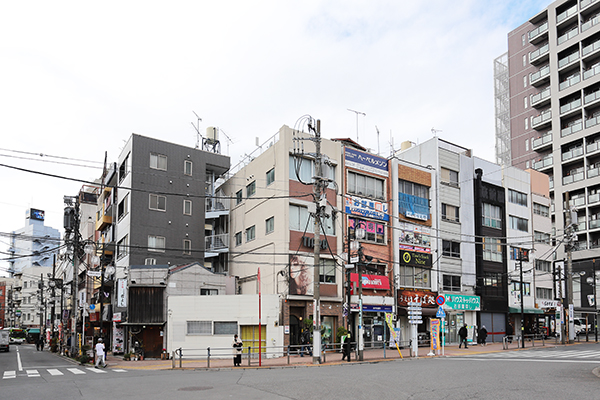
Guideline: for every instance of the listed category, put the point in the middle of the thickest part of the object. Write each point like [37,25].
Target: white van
[4,340]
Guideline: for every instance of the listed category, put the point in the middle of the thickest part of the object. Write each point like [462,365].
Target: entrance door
[249,334]
[152,341]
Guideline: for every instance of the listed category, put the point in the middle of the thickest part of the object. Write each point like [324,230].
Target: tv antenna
[197,128]
[435,131]
[228,139]
[377,129]
[357,112]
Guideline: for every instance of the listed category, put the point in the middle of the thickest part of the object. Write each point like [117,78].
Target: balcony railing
[216,242]
[594,223]
[574,176]
[588,24]
[534,55]
[569,35]
[537,98]
[570,106]
[592,147]
[568,60]
[566,14]
[538,31]
[542,141]
[539,75]
[593,198]
[592,121]
[590,48]
[540,119]
[576,127]
[543,163]
[581,226]
[216,204]
[576,152]
[569,82]
[591,97]
[551,186]
[593,172]
[591,72]
[585,3]
[577,201]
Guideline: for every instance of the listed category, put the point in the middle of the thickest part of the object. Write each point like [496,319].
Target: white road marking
[76,371]
[96,370]
[32,373]
[19,364]
[54,372]
[119,370]
[9,374]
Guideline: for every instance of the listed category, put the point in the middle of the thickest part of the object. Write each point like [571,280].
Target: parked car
[580,326]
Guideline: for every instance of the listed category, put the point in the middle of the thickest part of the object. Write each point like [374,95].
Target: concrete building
[271,228]
[551,84]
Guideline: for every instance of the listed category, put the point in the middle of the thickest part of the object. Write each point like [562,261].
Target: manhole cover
[195,388]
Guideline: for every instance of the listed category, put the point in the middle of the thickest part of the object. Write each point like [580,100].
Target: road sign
[415,321]
[440,300]
[440,313]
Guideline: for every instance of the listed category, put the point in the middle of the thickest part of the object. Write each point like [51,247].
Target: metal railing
[523,341]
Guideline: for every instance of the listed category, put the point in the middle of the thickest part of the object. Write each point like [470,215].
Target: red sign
[371,281]
[426,297]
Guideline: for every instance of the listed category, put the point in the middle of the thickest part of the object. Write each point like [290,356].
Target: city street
[533,373]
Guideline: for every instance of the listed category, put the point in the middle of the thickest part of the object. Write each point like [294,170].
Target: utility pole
[562,312]
[41,289]
[53,312]
[570,232]
[523,255]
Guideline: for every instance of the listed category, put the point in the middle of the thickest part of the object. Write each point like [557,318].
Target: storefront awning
[517,310]
[33,330]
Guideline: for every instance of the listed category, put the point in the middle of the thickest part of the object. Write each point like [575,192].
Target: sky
[78,78]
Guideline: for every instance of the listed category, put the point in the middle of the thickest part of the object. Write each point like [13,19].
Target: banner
[435,334]
[388,320]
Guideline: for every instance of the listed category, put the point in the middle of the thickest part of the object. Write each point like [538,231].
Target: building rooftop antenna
[435,131]
[357,112]
[228,139]
[377,129]
[197,128]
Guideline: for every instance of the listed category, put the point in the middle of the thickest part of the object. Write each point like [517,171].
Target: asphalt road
[562,372]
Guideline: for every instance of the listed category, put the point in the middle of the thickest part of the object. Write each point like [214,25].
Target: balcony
[592,97]
[563,16]
[573,105]
[542,142]
[568,60]
[572,153]
[573,80]
[592,122]
[538,99]
[593,172]
[568,35]
[591,72]
[589,23]
[543,163]
[589,49]
[103,222]
[575,127]
[216,244]
[551,186]
[540,120]
[585,3]
[538,33]
[540,77]
[594,223]
[581,226]
[592,147]
[538,55]
[575,175]
[577,201]
[593,198]
[217,206]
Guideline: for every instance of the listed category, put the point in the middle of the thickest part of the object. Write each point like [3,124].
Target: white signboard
[122,293]
[548,303]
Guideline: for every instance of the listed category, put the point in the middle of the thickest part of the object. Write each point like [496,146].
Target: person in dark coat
[237,350]
[482,335]
[346,346]
[462,333]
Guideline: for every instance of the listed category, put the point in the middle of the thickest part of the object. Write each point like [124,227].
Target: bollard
[410,348]
[325,352]
[249,354]
[543,340]
[533,341]
[208,358]
[180,357]
[288,354]
[173,360]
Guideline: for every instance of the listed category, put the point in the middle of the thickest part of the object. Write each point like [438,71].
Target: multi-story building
[549,91]
[271,228]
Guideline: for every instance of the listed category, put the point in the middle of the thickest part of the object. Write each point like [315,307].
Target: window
[525,101]
[543,293]
[492,249]
[122,247]
[374,231]
[270,225]
[492,216]
[523,39]
[451,283]
[158,203]
[450,213]
[543,265]
[516,287]
[158,161]
[226,328]
[238,197]
[156,243]
[540,209]
[525,81]
[187,167]
[526,127]
[250,189]
[301,220]
[187,207]
[517,197]
[527,164]
[238,238]
[302,169]
[450,248]
[270,176]
[187,246]
[327,271]
[519,224]
[413,189]
[124,169]
[24,285]
[415,276]
[493,284]
[364,185]
[150,261]
[123,207]
[449,177]
[209,292]
[525,63]
[541,237]
[199,328]
[250,233]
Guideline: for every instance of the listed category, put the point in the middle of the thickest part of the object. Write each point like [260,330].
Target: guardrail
[527,339]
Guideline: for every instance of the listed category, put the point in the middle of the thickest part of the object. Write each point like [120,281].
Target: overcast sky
[77,78]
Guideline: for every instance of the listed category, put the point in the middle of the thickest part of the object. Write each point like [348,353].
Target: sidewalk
[331,358]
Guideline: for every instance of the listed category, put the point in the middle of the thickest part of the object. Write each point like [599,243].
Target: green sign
[462,302]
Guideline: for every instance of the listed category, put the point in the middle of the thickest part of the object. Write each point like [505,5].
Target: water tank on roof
[407,144]
[212,134]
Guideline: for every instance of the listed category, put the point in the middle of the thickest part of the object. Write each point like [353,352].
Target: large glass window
[541,237]
[158,202]
[543,293]
[540,209]
[156,243]
[158,161]
[451,248]
[492,216]
[374,231]
[493,284]
[367,186]
[302,169]
[516,287]
[543,265]
[517,223]
[415,276]
[451,283]
[301,220]
[492,249]
[413,189]
[517,197]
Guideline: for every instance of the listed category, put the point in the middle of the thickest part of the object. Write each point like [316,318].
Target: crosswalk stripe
[54,372]
[76,371]
[96,370]
[32,373]
[9,374]
[119,370]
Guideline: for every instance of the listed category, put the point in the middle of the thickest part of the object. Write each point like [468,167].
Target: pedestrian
[39,344]
[509,332]
[346,346]
[305,342]
[462,333]
[482,335]
[100,353]
[237,350]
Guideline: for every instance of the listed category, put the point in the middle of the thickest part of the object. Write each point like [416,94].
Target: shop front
[428,310]
[460,309]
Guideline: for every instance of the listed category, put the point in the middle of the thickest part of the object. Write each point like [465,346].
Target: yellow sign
[388,320]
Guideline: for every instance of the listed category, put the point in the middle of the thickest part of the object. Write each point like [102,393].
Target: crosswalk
[543,354]
[52,372]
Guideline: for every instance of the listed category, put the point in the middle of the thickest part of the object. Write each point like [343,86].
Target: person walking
[482,335]
[100,353]
[509,332]
[462,333]
[237,350]
[346,346]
